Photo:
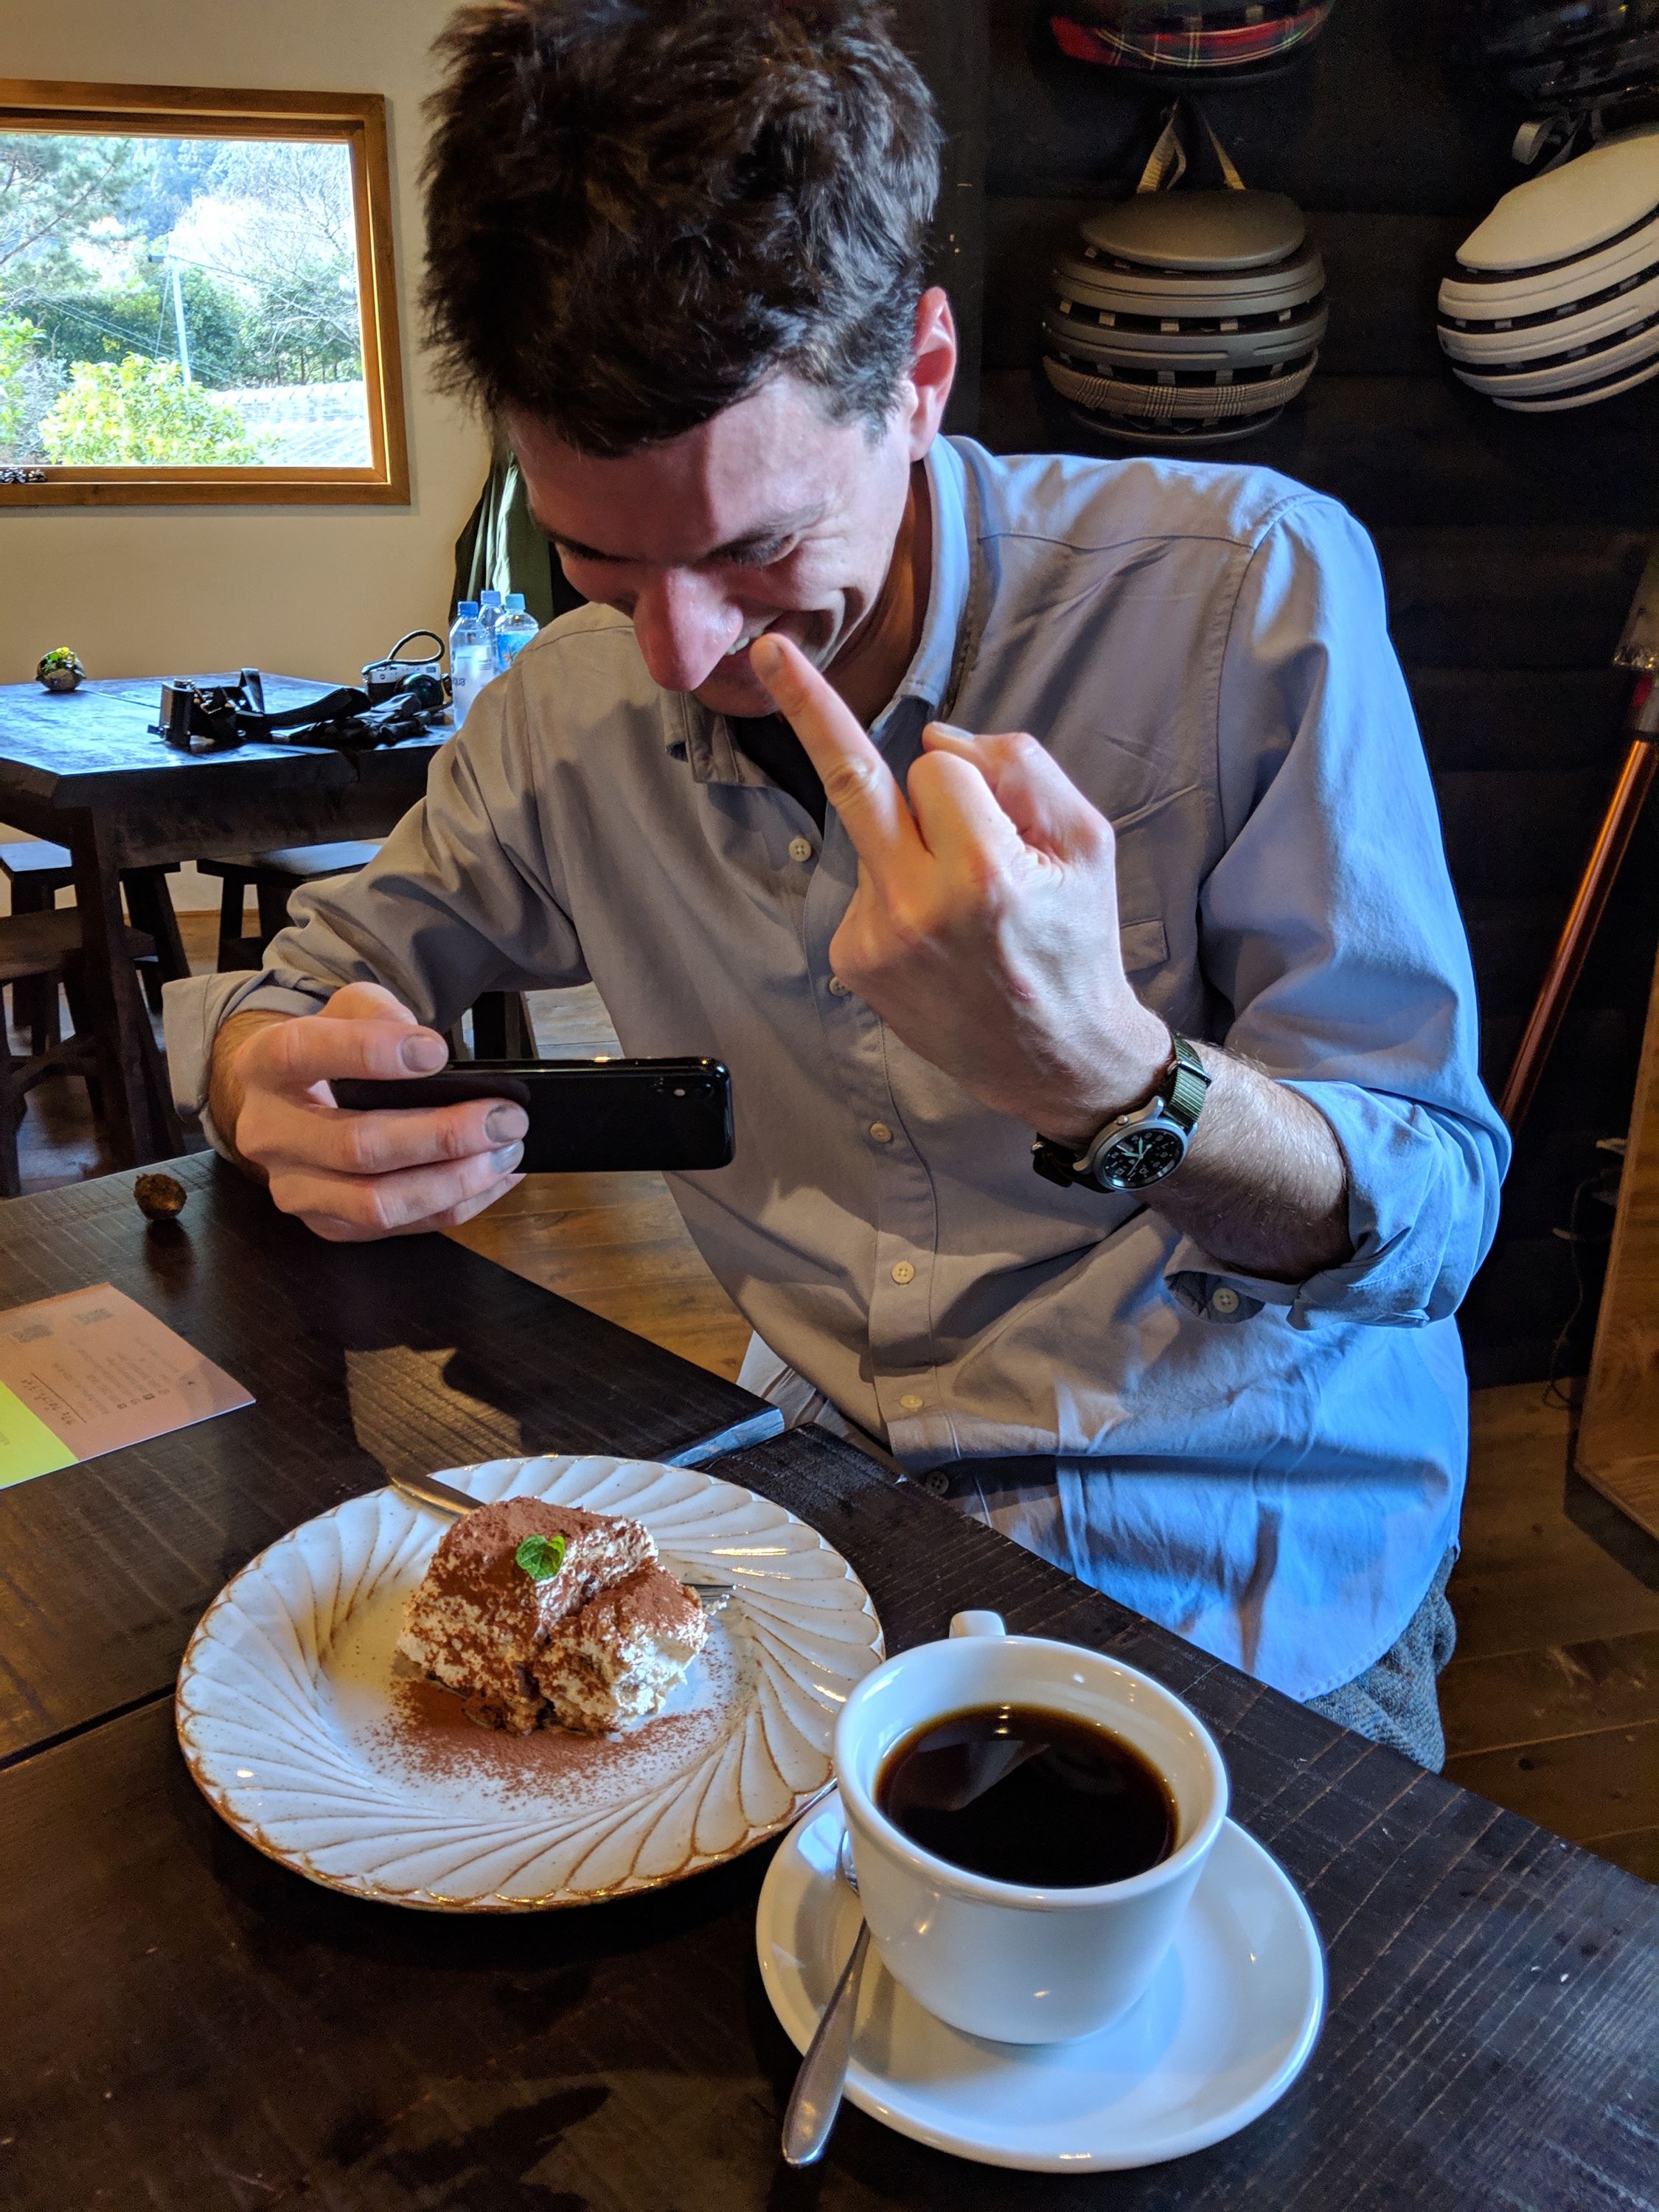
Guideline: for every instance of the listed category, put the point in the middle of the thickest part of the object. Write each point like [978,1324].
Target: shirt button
[800,848]
[911,1403]
[838,986]
[936,1484]
[1223,1301]
[881,1133]
[903,1271]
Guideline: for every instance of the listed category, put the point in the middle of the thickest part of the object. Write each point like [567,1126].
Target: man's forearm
[1264,1186]
[224,1085]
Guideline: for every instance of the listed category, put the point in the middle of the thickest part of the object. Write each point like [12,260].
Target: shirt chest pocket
[1144,944]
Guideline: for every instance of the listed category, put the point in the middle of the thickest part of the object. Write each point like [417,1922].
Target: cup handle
[977,1624]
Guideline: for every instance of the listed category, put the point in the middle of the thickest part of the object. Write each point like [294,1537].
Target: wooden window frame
[356,120]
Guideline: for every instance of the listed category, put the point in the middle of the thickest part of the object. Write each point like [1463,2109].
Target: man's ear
[933,367]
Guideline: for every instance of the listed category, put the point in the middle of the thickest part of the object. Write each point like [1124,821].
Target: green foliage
[53,187]
[141,413]
[304,330]
[105,238]
[17,341]
[83,322]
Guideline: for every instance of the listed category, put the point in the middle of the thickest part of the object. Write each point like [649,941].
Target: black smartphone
[586,1116]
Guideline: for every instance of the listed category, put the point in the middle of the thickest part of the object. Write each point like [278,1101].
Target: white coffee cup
[997,1958]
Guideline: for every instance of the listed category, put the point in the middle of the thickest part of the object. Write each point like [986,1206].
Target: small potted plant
[60,670]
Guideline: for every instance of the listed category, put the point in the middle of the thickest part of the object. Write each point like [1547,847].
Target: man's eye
[760,557]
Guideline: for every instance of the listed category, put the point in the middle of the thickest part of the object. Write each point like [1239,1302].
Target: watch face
[1140,1157]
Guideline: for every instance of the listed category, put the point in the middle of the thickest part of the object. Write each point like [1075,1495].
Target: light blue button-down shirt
[1273,1470]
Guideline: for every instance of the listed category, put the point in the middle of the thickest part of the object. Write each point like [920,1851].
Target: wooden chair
[45,950]
[273,876]
[501,1027]
[37,871]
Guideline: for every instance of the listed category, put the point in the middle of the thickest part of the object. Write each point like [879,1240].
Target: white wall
[303,591]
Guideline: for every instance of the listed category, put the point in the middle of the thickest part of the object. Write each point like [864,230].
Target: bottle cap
[515,602]
[466,608]
[489,598]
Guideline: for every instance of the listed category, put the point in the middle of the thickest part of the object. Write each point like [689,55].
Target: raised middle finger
[857,781]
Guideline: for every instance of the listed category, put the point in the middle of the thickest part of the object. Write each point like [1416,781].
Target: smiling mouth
[745,641]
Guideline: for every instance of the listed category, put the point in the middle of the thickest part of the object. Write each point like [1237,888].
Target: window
[196,298]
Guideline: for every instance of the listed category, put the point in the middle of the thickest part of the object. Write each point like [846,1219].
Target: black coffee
[1024,1794]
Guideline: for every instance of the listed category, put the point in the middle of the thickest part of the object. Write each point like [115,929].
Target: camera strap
[203,718]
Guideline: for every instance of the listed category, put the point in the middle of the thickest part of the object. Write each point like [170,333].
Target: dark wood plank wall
[1512,545]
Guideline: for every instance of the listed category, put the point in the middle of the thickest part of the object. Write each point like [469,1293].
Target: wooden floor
[1552,1703]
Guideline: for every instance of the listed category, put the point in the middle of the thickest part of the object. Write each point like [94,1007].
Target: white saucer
[1224,2029]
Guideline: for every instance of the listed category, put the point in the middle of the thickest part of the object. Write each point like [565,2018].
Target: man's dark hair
[638,210]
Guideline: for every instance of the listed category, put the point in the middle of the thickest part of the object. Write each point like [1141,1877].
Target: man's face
[768,517]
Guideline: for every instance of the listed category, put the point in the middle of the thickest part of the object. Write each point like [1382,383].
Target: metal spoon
[816,2098]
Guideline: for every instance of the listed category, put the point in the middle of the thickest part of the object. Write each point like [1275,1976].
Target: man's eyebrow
[768,533]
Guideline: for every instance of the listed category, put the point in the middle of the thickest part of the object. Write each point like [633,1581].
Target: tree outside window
[193,303]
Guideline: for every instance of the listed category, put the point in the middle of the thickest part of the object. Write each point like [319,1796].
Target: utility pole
[179,322]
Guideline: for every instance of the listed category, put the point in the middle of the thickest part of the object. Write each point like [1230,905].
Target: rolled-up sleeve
[460,900]
[1332,939]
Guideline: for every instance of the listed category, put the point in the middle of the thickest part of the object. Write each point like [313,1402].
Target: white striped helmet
[1554,302]
[1186,315]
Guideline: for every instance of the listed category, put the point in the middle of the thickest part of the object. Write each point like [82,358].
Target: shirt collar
[705,740]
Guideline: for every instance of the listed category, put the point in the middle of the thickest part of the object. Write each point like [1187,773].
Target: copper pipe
[1589,903]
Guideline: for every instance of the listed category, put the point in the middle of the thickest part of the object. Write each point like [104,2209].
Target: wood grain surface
[1618,1447]
[189,2026]
[87,769]
[411,1354]
[95,745]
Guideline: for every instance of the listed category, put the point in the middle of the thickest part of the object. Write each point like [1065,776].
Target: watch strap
[1187,1085]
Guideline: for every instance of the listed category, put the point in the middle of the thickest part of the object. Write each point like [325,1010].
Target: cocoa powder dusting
[429,1733]
[650,1601]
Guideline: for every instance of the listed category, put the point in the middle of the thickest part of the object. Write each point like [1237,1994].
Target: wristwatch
[1141,1146]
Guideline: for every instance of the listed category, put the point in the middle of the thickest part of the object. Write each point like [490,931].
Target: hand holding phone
[586,1116]
[354,1176]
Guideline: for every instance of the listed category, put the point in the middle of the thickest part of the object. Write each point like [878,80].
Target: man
[960,804]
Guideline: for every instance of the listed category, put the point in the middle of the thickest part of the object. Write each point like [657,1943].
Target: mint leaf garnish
[541,1557]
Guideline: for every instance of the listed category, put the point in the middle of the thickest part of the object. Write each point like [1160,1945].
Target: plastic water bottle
[471,659]
[490,613]
[514,630]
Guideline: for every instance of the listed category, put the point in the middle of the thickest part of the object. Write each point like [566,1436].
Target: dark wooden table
[184,2024]
[86,768]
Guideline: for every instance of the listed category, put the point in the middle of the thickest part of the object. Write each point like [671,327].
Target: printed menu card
[91,1371]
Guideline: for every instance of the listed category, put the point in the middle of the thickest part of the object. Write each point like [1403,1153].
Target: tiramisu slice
[618,1658]
[500,1582]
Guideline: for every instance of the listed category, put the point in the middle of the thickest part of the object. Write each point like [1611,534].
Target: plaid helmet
[1193,38]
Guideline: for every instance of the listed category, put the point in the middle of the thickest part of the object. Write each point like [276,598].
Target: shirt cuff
[192,1010]
[1209,1288]
[1215,1292]
[1394,1202]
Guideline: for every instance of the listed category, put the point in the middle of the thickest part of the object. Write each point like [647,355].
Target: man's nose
[684,625]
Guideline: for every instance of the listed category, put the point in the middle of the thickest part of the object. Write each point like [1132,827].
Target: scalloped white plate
[304,1731]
